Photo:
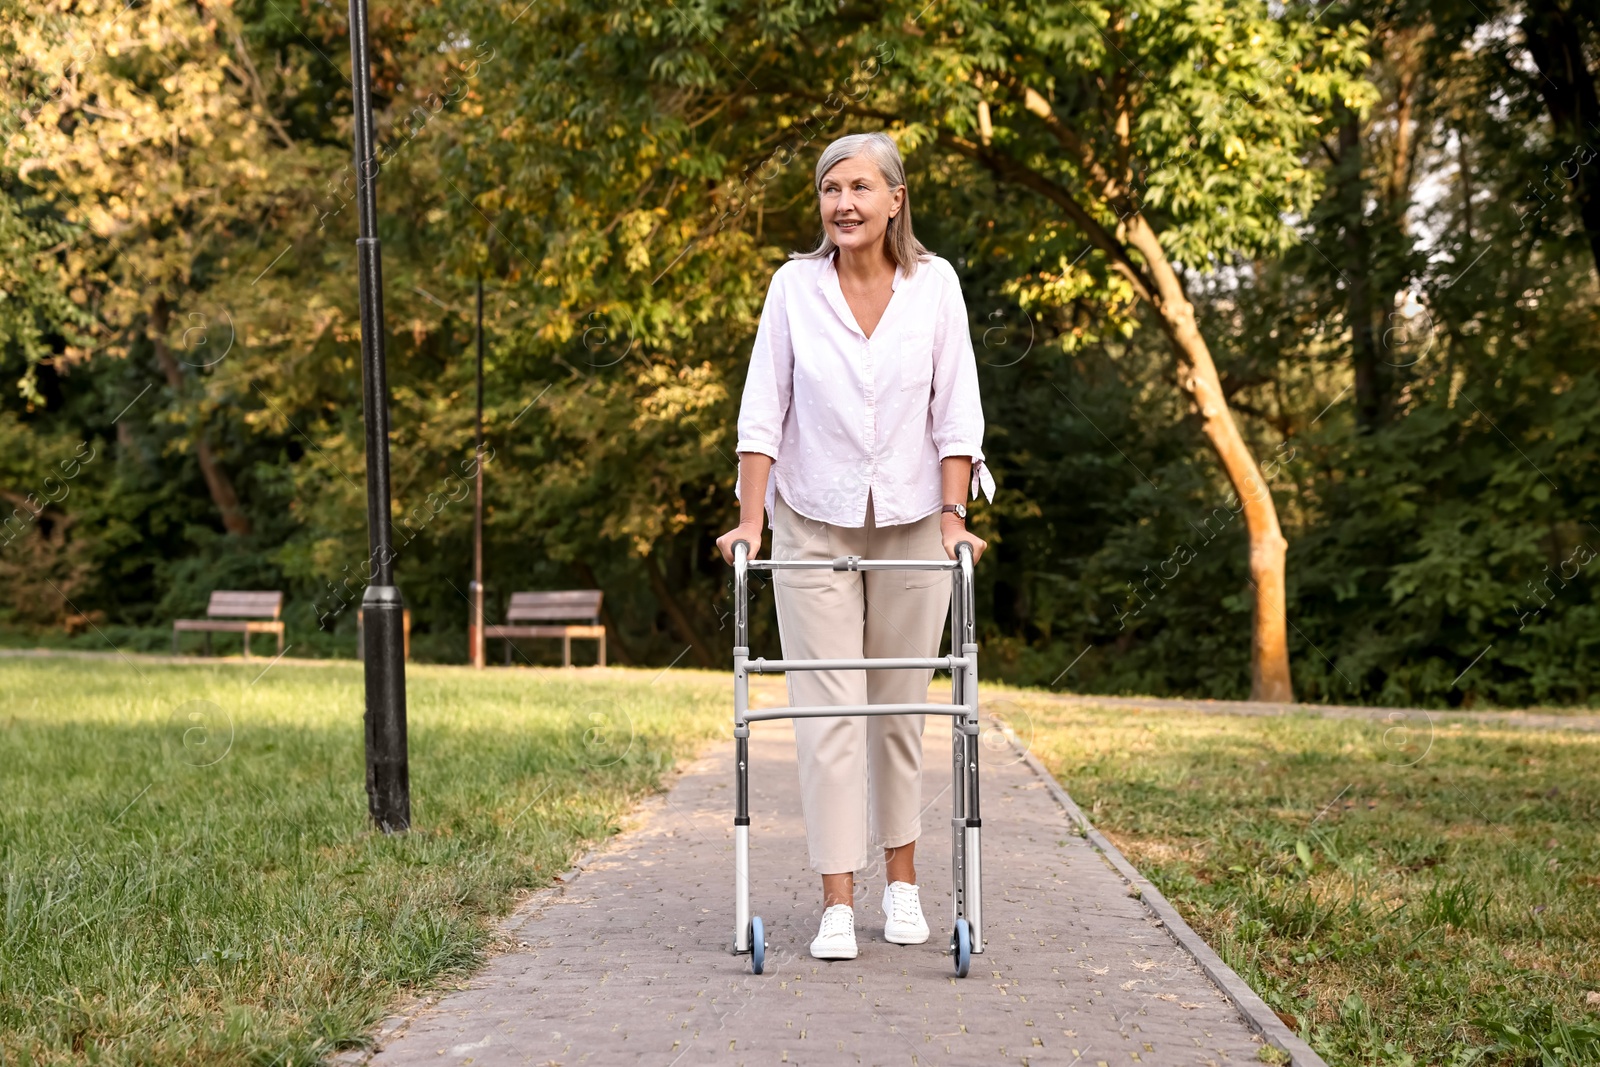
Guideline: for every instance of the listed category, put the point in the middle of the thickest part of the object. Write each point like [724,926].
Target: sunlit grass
[187,872]
[1403,893]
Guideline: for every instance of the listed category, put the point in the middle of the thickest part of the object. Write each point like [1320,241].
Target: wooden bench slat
[240,603]
[265,599]
[493,631]
[563,597]
[554,605]
[229,626]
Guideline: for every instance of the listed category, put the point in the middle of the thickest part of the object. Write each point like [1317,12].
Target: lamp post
[475,589]
[388,773]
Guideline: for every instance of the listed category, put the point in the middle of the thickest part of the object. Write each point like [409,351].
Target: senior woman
[859,434]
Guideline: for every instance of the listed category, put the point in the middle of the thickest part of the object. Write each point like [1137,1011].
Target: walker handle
[741,615]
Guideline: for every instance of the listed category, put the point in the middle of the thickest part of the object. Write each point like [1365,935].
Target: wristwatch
[959,509]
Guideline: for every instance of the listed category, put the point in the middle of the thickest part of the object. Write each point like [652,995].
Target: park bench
[234,611]
[547,608]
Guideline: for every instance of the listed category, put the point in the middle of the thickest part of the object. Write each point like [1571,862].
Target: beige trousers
[850,764]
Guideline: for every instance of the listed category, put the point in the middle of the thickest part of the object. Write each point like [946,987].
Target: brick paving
[629,960]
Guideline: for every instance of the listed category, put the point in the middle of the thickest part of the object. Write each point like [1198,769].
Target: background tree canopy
[1233,270]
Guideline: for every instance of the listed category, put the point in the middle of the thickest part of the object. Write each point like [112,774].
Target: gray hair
[899,242]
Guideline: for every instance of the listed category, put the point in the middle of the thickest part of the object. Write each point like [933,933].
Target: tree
[627,186]
[1560,38]
[1170,137]
[153,137]
[1160,175]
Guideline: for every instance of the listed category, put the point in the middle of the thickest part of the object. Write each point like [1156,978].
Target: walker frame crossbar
[966,937]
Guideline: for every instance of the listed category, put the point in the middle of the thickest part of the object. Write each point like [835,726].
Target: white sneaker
[836,940]
[903,923]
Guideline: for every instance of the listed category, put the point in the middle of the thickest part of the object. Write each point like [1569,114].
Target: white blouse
[842,414]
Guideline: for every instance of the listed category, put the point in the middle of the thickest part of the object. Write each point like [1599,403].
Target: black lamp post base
[388,779]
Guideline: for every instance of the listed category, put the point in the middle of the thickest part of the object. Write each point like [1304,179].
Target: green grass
[1405,894]
[187,872]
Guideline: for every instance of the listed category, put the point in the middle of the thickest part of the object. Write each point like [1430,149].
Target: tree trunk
[1197,375]
[234,520]
[1408,64]
[1369,378]
[675,612]
[1555,41]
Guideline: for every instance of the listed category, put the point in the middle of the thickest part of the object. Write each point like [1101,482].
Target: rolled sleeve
[957,408]
[770,381]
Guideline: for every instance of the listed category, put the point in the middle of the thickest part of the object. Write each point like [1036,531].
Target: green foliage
[625,180]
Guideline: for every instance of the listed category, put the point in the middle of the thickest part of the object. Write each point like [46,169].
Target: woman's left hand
[954,531]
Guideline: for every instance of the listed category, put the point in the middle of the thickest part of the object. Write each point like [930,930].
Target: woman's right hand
[745,531]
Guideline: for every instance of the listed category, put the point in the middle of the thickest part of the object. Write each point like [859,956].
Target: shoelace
[905,905]
[837,921]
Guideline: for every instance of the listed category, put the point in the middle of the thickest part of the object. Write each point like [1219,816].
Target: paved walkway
[629,961]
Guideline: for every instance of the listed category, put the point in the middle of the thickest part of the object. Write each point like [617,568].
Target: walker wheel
[758,945]
[961,945]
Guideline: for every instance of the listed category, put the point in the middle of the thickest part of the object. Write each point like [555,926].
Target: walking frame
[966,937]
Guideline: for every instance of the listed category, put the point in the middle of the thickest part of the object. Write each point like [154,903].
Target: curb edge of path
[1261,1018]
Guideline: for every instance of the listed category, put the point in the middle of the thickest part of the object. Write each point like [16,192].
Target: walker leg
[958,764]
[743,935]
[966,824]
[974,890]
[966,828]
[958,823]
[972,830]
[741,889]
